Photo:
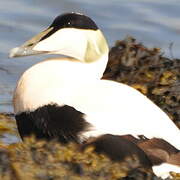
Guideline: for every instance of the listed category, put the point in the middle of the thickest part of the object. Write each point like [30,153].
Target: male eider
[65,98]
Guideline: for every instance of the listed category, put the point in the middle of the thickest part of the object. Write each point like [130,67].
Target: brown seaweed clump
[148,71]
[42,160]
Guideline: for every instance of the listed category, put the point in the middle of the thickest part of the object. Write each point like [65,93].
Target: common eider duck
[65,98]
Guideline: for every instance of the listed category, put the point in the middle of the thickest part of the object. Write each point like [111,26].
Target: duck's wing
[118,109]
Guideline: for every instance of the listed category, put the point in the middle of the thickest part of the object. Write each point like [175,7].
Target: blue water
[154,23]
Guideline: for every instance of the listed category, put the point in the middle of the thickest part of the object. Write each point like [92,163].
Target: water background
[155,23]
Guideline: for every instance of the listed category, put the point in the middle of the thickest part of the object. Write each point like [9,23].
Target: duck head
[71,34]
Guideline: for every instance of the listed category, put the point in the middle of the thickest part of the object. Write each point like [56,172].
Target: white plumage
[110,107]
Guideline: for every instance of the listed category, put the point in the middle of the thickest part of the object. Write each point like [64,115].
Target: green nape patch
[42,160]
[148,71]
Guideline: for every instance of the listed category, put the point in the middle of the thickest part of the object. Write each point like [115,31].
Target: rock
[42,160]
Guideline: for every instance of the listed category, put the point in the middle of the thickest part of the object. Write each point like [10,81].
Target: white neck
[98,67]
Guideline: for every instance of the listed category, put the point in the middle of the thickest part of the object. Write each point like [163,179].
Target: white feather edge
[164,170]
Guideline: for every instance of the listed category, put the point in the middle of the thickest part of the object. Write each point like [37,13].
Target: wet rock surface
[42,160]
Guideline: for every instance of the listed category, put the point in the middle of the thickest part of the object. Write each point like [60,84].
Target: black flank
[158,150]
[149,152]
[118,148]
[71,20]
[52,122]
